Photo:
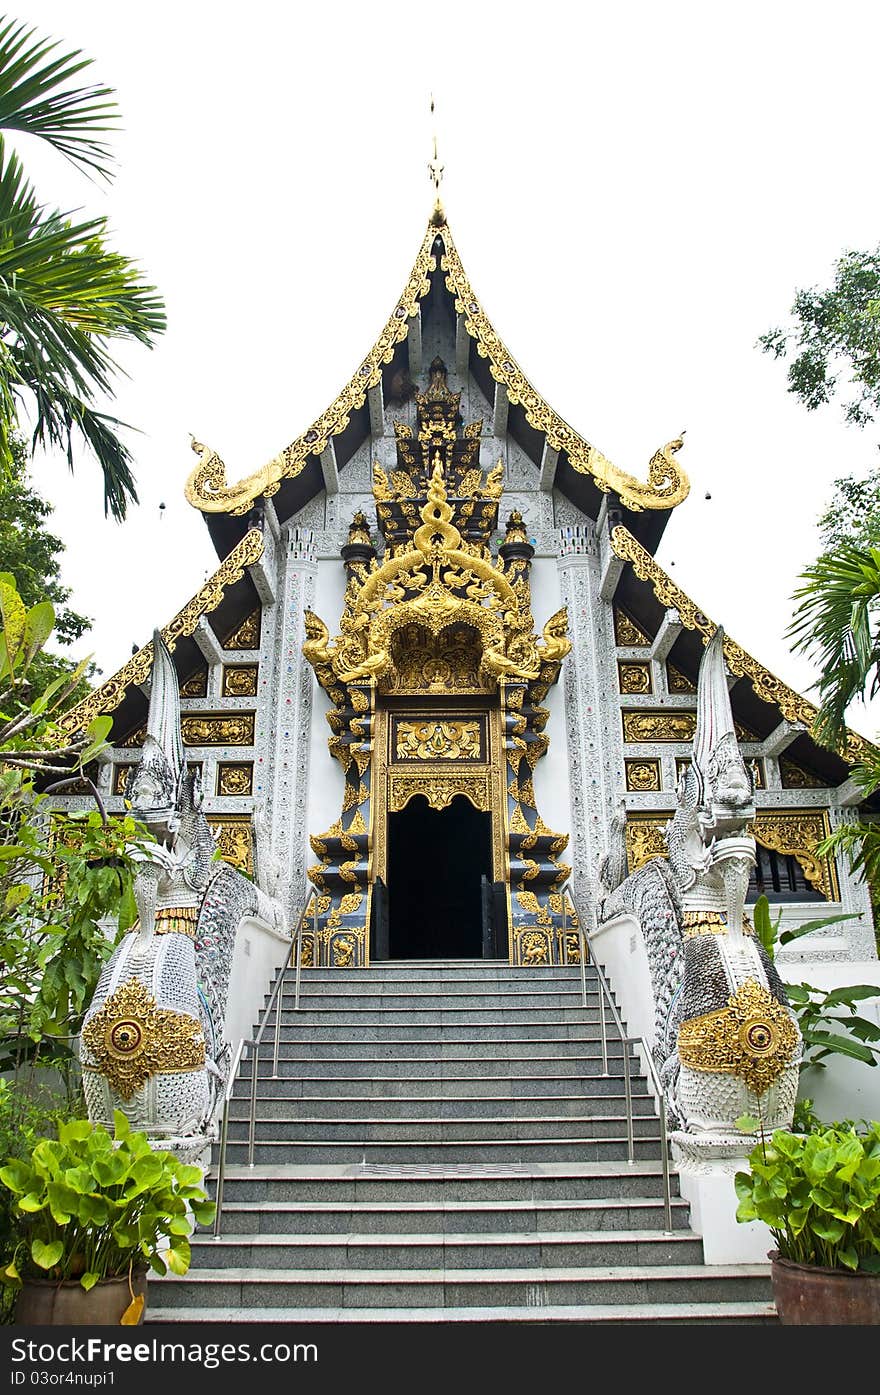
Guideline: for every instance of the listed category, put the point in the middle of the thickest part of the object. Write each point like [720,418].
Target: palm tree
[64,295]
[837,622]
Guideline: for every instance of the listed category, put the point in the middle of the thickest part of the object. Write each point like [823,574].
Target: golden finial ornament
[435,169]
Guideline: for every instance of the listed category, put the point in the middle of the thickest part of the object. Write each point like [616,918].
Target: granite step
[378,1183]
[632,1314]
[426,1250]
[287,1107]
[499,1216]
[345,1287]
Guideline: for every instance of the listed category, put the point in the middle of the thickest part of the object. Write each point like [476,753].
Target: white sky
[636,191]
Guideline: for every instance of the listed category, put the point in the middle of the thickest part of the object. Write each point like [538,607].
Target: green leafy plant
[819,1195]
[65,885]
[29,1111]
[828,1020]
[94,1205]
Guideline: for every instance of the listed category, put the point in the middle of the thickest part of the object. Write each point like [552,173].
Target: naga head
[155,785]
[727,788]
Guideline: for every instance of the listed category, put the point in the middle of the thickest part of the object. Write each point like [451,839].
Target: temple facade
[439,686]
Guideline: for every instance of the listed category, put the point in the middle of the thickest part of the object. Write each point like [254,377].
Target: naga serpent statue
[153,1041]
[726,1042]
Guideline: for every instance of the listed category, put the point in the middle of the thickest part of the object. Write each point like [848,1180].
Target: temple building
[438,665]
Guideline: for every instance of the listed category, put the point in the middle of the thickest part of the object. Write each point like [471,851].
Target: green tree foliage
[833,343]
[65,296]
[30,552]
[852,518]
[61,882]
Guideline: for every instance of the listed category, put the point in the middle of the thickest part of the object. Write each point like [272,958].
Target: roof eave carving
[667,485]
[109,694]
[768,687]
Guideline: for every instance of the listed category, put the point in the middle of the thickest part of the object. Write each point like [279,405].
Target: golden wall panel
[643,775]
[235,778]
[239,680]
[634,678]
[247,634]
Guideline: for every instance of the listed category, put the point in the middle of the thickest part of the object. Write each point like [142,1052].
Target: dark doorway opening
[436,859]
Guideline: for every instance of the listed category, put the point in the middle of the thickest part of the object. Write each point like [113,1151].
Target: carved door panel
[379,942]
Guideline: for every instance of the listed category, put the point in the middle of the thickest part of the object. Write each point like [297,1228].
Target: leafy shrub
[92,1205]
[819,1194]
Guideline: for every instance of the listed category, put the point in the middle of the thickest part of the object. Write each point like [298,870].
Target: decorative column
[283,763]
[595,744]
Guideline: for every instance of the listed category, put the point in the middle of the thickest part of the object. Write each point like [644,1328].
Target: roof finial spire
[435,169]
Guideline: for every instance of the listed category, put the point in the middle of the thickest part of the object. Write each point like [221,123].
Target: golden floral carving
[235,779]
[196,685]
[796,833]
[120,777]
[627,634]
[133,1039]
[678,682]
[342,949]
[247,635]
[660,724]
[530,903]
[642,774]
[646,838]
[239,680]
[533,947]
[752,1038]
[794,778]
[235,839]
[634,678]
[205,730]
[428,663]
[771,689]
[439,788]
[110,694]
[438,740]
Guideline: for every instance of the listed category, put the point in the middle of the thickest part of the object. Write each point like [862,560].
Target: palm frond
[837,623]
[63,297]
[36,98]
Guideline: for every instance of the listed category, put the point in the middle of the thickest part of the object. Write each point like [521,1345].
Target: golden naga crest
[437,582]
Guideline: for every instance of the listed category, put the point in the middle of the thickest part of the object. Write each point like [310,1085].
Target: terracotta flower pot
[809,1294]
[44,1302]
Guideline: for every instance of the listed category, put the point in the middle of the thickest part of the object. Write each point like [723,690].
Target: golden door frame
[405,765]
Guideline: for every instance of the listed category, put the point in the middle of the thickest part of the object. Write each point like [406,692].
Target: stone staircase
[442,1145]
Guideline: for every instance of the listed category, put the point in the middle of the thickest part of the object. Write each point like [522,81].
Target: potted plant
[96,1210]
[819,1195]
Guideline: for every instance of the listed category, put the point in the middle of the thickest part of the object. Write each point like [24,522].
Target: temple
[438,674]
[494,800]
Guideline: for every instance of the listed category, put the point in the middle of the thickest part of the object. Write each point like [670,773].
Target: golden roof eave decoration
[667,485]
[110,694]
[768,687]
[207,488]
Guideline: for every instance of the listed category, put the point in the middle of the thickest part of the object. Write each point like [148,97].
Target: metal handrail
[254,1043]
[586,946]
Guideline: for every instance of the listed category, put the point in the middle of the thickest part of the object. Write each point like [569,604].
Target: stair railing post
[627,1086]
[224,1132]
[252,1121]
